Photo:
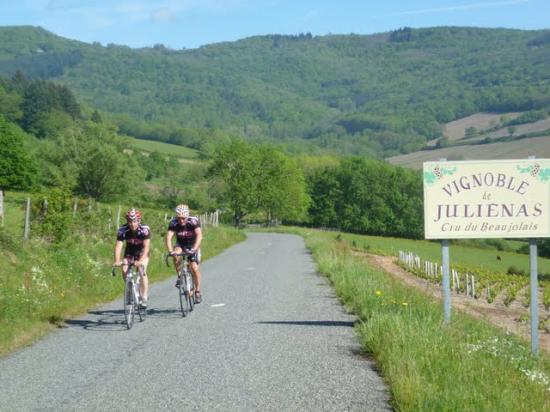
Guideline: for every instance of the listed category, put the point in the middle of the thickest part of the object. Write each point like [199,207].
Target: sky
[190,24]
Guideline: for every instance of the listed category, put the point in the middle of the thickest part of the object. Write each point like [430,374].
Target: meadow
[164,148]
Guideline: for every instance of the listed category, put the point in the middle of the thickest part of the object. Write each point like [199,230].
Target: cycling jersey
[134,240]
[185,233]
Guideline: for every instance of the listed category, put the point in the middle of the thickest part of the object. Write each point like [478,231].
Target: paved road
[269,336]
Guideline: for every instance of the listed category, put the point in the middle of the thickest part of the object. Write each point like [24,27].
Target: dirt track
[505,317]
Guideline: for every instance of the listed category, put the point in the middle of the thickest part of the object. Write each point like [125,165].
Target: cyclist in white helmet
[188,238]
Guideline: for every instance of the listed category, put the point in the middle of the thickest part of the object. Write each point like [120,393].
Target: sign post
[445,269]
[533,269]
[488,199]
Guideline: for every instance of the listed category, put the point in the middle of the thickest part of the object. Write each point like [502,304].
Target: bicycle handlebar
[130,264]
[186,252]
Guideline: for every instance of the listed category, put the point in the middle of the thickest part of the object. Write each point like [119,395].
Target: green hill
[378,95]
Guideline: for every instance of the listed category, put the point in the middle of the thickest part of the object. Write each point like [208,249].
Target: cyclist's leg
[177,262]
[144,283]
[194,266]
[125,261]
[177,259]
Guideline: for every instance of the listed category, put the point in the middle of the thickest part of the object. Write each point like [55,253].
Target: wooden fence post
[27,219]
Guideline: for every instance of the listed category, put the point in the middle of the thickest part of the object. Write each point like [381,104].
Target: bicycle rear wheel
[140,310]
[183,297]
[129,304]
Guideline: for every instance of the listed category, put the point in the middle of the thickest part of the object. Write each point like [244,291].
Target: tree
[89,159]
[236,164]
[17,166]
[281,186]
[442,142]
[259,179]
[470,132]
[96,117]
[324,189]
[367,196]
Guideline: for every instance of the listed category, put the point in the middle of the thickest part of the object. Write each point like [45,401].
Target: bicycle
[185,280]
[132,295]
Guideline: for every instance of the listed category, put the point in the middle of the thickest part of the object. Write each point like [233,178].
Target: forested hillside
[377,95]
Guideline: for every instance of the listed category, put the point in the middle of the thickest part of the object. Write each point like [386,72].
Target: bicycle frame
[186,288]
[132,296]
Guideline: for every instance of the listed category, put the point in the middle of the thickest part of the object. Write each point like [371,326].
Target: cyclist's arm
[118,251]
[168,239]
[198,239]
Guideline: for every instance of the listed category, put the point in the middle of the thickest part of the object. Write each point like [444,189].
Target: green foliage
[41,101]
[259,179]
[280,187]
[90,160]
[470,132]
[543,248]
[235,163]
[376,95]
[17,165]
[367,196]
[52,214]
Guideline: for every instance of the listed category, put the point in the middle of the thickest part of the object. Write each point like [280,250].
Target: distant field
[166,148]
[456,129]
[539,126]
[517,149]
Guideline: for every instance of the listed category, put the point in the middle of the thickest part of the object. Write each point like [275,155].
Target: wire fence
[33,214]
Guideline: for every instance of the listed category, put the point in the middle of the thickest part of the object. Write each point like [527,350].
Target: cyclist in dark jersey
[188,238]
[138,238]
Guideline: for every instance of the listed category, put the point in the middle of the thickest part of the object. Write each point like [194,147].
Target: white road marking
[217,305]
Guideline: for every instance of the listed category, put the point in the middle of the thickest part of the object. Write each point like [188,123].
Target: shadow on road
[162,313]
[308,323]
[111,320]
[107,320]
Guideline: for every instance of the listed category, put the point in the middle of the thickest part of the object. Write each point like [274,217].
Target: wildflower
[378,293]
[405,304]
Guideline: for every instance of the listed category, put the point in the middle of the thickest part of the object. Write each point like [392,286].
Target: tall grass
[429,366]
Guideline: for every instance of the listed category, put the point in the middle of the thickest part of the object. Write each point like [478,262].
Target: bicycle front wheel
[183,297]
[129,304]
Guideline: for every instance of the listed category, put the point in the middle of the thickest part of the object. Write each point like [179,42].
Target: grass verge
[467,365]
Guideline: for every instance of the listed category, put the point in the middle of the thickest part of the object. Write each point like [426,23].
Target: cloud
[463,7]
[310,15]
[162,15]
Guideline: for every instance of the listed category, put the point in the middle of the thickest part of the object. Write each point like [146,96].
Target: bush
[513,270]
[51,214]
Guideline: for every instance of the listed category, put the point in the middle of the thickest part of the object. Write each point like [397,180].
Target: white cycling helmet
[182,210]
